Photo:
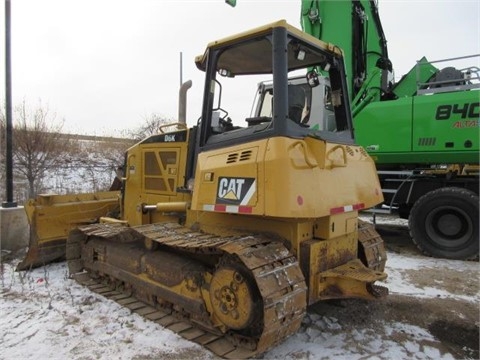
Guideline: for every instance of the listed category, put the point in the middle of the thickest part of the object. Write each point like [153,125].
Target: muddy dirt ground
[432,312]
[455,323]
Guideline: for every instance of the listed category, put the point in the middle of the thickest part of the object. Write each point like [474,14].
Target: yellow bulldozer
[225,233]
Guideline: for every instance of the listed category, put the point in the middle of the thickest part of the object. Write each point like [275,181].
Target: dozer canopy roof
[250,52]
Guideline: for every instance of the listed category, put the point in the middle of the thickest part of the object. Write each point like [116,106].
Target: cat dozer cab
[227,233]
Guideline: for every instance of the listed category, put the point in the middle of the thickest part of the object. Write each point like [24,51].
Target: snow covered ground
[46,315]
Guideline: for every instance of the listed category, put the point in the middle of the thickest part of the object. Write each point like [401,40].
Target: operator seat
[296,103]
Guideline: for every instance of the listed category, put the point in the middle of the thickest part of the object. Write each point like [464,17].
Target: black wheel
[444,223]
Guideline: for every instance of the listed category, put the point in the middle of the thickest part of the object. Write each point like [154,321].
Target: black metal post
[8,112]
[181,68]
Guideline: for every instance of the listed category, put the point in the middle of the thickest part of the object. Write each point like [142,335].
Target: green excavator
[422,131]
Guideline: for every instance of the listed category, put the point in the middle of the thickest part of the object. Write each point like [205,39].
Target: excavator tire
[237,296]
[445,223]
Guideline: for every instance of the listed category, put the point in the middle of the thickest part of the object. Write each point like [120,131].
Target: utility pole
[181,68]
[8,112]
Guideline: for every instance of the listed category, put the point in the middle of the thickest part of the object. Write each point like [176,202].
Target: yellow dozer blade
[51,217]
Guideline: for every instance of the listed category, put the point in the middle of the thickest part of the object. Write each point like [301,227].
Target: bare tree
[151,126]
[104,158]
[38,144]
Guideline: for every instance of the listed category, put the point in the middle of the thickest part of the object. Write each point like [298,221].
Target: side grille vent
[426,141]
[235,157]
[245,155]
[232,158]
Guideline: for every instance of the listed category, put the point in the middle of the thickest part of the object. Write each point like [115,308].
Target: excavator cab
[315,111]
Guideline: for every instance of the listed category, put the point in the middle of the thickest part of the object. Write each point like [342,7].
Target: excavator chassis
[245,295]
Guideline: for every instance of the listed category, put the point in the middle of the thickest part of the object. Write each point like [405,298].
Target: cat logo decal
[235,191]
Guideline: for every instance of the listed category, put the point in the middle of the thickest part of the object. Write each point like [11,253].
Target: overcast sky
[104,65]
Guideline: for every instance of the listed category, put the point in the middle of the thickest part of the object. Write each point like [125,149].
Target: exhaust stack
[182,101]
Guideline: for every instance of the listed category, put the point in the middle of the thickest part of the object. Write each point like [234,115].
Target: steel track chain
[275,270]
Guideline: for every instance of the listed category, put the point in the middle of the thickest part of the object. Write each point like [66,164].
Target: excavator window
[299,103]
[313,105]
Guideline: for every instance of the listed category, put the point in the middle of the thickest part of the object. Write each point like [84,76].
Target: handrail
[127,170]
[344,153]
[179,125]
[304,151]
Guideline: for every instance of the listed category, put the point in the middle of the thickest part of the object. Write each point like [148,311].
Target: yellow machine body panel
[288,178]
[306,192]
[155,170]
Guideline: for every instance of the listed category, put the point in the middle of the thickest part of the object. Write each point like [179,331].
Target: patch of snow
[46,315]
[399,283]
